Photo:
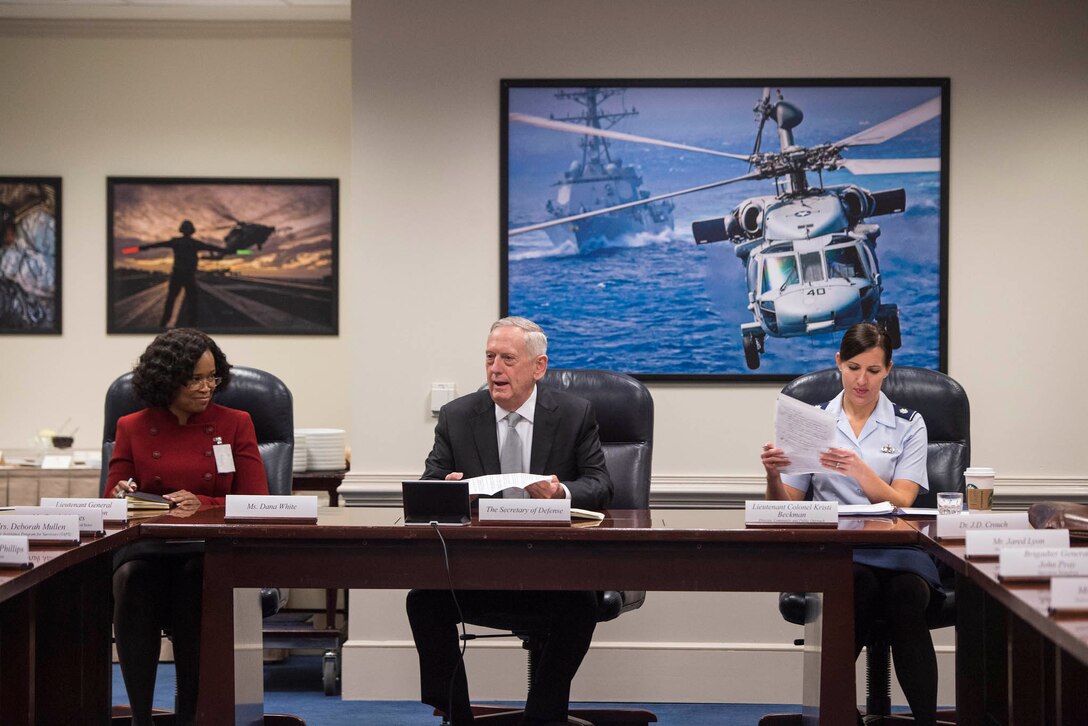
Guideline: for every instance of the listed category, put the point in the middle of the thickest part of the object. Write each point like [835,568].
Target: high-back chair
[944,407]
[260,394]
[625,418]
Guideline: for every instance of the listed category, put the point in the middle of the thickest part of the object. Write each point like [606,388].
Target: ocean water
[659,304]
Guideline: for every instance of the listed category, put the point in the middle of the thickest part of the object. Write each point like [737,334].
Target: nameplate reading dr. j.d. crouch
[956,526]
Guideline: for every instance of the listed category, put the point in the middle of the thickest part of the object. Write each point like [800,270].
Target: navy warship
[599,180]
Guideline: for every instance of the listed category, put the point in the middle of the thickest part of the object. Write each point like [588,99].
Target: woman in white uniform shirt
[879,455]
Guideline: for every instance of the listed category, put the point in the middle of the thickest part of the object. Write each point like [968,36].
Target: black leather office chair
[269,403]
[944,406]
[625,417]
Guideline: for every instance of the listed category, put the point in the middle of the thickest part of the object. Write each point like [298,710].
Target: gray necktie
[510,458]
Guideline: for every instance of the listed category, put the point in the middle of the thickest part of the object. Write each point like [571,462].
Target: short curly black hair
[168,364]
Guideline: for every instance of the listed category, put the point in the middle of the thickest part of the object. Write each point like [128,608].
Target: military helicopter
[808,251]
[244,235]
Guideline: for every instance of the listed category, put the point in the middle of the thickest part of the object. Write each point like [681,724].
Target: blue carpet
[294,686]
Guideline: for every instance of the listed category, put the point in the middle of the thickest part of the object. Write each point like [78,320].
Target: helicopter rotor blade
[896,125]
[628,205]
[890,166]
[547,123]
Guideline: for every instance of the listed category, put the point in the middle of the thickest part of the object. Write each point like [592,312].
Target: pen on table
[127,486]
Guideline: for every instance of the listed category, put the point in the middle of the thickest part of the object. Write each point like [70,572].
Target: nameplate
[956,526]
[536,511]
[57,461]
[37,528]
[981,543]
[1016,563]
[1069,594]
[245,506]
[14,551]
[90,520]
[113,509]
[791,514]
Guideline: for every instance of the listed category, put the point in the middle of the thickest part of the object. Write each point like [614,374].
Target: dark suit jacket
[565,443]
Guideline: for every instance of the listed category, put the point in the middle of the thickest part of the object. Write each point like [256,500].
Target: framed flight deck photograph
[725,230]
[258,256]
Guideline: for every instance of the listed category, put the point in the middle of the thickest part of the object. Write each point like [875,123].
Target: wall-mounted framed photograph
[725,230]
[235,256]
[30,259]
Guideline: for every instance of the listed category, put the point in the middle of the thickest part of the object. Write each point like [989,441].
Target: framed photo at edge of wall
[725,230]
[30,259]
[236,256]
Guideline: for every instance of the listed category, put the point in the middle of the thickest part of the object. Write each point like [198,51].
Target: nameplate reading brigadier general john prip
[956,526]
[791,514]
[244,506]
[1014,563]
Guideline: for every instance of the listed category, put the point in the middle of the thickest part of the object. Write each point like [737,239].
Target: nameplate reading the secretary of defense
[525,510]
[956,526]
[245,506]
[38,528]
[113,509]
[981,543]
[1014,563]
[791,514]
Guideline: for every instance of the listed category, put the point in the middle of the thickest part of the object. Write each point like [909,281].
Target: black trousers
[901,600]
[149,595]
[568,616]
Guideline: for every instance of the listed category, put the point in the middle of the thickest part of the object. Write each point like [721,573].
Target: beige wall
[425,194]
[84,101]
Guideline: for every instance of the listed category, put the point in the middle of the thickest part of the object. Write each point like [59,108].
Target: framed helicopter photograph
[239,256]
[30,260]
[725,230]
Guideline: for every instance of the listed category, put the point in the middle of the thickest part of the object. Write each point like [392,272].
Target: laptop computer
[435,500]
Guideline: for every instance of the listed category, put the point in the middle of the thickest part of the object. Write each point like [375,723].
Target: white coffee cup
[980,487]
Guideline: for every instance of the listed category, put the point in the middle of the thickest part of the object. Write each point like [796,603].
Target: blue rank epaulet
[903,412]
[823,405]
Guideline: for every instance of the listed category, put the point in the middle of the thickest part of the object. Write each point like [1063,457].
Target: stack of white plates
[325,448]
[298,463]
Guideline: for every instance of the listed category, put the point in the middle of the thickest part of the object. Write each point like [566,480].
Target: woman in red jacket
[193,452]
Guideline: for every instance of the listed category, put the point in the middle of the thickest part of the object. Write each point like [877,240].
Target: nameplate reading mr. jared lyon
[983,543]
[242,506]
[791,514]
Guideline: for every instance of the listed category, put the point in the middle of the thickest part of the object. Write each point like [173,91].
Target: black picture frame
[30,256]
[651,302]
[260,255]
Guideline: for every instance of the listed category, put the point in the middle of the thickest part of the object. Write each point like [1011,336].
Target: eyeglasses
[197,382]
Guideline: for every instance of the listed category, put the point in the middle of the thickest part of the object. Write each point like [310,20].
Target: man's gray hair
[535,340]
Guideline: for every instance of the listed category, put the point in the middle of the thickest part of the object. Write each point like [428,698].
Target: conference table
[1015,662]
[682,550]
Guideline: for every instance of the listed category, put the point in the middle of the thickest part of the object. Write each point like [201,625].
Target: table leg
[215,698]
[829,695]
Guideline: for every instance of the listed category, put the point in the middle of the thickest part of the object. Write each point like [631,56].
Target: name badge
[791,514]
[1069,594]
[62,528]
[224,459]
[956,526]
[113,509]
[556,511]
[1015,563]
[90,520]
[245,506]
[14,551]
[981,543]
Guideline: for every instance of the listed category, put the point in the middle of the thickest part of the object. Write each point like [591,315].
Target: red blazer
[163,457]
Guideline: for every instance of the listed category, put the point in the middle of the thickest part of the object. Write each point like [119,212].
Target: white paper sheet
[866,509]
[494,483]
[802,431]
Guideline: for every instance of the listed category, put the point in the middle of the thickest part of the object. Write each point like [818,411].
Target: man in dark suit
[513,426]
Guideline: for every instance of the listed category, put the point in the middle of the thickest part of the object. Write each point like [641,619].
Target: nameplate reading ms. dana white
[981,543]
[14,551]
[90,520]
[525,510]
[791,514]
[1069,595]
[1015,563]
[38,528]
[956,526]
[113,509]
[245,506]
